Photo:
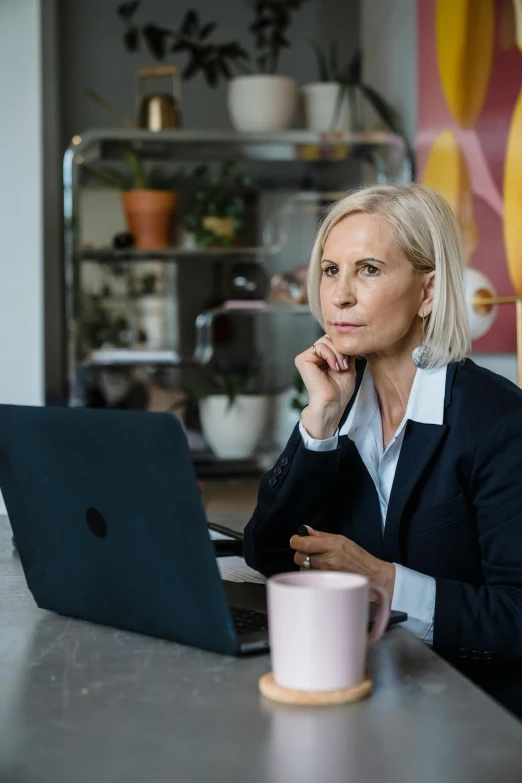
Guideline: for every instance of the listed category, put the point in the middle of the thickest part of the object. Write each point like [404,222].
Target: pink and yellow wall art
[469,141]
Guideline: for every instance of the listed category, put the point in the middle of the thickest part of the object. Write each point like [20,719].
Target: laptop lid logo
[96,522]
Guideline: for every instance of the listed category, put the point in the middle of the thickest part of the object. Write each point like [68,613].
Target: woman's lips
[343,327]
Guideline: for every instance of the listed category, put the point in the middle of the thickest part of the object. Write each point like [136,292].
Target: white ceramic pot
[233,433]
[261,102]
[285,417]
[321,109]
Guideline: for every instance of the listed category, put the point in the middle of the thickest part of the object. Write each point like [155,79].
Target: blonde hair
[427,232]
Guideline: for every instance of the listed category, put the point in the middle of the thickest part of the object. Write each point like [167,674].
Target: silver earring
[421,356]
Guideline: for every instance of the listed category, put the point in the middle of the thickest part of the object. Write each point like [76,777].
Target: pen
[304,530]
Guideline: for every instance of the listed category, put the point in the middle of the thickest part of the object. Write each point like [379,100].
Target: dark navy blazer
[455,513]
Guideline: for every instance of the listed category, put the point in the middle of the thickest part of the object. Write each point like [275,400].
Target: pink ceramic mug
[318,628]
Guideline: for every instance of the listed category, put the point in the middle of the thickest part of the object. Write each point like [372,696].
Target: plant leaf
[133,161]
[334,59]
[156,38]
[127,10]
[206,30]
[190,70]
[386,112]
[131,39]
[190,24]
[322,64]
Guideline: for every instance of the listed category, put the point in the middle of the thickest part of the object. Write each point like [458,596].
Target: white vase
[233,432]
[322,109]
[261,102]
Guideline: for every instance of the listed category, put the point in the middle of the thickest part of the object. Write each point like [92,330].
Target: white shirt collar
[425,403]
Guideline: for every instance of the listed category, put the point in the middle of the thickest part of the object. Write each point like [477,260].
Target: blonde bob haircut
[428,234]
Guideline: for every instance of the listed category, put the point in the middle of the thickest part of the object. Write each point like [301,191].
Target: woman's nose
[343,294]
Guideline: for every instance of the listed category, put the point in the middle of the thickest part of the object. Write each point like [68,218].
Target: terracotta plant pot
[150,217]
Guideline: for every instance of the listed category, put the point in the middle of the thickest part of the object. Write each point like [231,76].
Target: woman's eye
[370,270]
[329,271]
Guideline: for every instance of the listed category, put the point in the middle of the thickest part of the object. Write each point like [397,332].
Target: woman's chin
[348,344]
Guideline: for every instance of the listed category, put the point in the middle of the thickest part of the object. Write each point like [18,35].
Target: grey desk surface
[89,704]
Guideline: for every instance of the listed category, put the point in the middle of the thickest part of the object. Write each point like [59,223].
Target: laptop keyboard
[248,620]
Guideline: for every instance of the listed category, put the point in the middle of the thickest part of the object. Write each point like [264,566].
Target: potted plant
[257,101]
[148,201]
[233,411]
[265,101]
[215,203]
[331,103]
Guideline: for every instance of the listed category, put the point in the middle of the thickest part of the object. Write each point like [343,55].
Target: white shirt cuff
[329,444]
[414,593]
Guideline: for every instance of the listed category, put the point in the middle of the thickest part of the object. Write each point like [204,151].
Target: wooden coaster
[270,689]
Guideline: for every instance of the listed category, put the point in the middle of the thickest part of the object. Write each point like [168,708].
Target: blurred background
[164,169]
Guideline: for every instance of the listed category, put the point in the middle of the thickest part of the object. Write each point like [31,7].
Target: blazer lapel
[363,506]
[419,446]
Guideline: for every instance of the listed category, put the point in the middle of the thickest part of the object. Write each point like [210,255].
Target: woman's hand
[330,552]
[329,377]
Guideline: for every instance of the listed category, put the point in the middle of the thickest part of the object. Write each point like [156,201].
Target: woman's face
[370,293]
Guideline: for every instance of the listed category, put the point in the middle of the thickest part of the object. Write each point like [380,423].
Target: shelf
[108,255]
[183,145]
[130,357]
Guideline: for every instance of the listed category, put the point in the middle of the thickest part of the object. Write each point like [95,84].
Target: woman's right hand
[329,377]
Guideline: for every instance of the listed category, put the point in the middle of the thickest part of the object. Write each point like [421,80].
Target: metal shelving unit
[282,164]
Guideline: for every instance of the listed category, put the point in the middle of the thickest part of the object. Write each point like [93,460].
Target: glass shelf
[204,350]
[125,357]
[111,255]
[293,145]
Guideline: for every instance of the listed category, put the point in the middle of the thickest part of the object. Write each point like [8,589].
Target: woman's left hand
[331,552]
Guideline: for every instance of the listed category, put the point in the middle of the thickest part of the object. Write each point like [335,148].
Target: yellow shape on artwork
[465,38]
[446,171]
[513,197]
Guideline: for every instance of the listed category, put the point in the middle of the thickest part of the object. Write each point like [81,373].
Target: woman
[410,473]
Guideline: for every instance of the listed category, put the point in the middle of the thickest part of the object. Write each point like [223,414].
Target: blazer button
[476,655]
[463,653]
[277,471]
[487,655]
[284,462]
[271,481]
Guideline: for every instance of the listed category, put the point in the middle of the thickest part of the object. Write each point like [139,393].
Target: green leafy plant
[231,383]
[191,38]
[221,193]
[215,61]
[272,19]
[137,175]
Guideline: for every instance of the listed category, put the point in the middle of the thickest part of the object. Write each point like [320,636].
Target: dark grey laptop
[108,521]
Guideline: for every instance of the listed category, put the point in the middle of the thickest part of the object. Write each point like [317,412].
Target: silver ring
[307,562]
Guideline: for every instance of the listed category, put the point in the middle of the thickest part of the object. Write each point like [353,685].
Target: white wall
[389,43]
[21,204]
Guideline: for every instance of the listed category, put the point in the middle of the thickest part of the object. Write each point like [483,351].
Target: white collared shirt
[414,593]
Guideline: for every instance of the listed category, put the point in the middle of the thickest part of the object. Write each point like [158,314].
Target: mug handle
[383,615]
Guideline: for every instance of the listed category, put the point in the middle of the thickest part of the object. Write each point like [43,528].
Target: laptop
[109,525]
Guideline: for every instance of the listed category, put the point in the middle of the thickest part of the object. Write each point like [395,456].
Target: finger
[317,562]
[328,355]
[312,544]
[300,559]
[342,360]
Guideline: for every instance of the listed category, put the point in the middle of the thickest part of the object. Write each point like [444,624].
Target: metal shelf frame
[386,151]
